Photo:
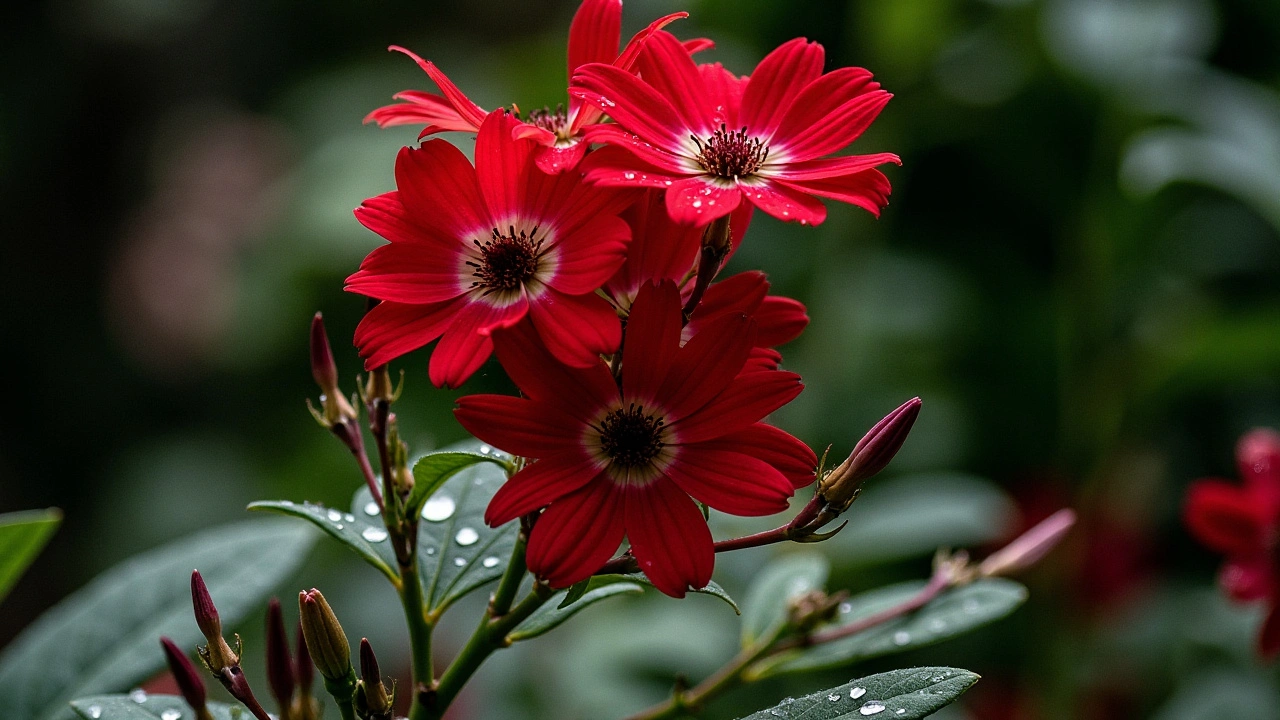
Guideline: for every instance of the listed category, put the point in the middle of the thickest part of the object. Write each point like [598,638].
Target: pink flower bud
[1029,547]
[323,368]
[279,664]
[872,453]
[184,674]
[206,614]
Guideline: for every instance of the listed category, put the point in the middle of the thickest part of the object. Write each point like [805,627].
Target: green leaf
[22,536]
[951,614]
[553,613]
[140,706]
[788,577]
[432,470]
[457,552]
[712,589]
[575,593]
[897,695]
[105,637]
[361,529]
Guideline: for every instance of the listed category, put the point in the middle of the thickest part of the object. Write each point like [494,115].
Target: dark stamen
[630,436]
[731,154]
[506,261]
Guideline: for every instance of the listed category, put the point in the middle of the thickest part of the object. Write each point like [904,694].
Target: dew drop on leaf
[171,714]
[373,534]
[490,561]
[459,561]
[335,516]
[138,695]
[902,637]
[871,708]
[855,693]
[833,697]
[438,509]
[467,536]
[94,711]
[371,508]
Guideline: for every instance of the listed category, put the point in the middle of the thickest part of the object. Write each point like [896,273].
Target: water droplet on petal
[438,508]
[490,561]
[138,695]
[335,516]
[855,693]
[902,637]
[374,534]
[697,203]
[371,508]
[871,708]
[467,536]
[629,175]
[459,561]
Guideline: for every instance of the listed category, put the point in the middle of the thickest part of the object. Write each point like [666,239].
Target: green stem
[419,632]
[343,691]
[725,678]
[490,636]
[510,583]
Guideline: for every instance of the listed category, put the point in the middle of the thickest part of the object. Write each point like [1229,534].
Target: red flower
[593,38]
[711,140]
[661,249]
[474,248]
[622,461]
[1243,522]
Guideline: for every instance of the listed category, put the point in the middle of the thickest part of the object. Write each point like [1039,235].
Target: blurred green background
[1078,272]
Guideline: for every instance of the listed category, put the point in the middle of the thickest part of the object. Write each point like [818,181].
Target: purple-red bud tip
[184,674]
[205,612]
[1028,548]
[279,664]
[323,368]
[304,668]
[368,663]
[882,442]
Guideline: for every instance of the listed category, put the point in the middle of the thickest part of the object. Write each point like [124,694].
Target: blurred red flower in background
[1243,522]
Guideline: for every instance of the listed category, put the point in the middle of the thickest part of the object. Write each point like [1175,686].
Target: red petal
[795,460]
[613,166]
[635,105]
[730,482]
[707,364]
[419,108]
[595,33]
[669,537]
[653,338]
[466,344]
[785,202]
[576,328]
[390,329]
[582,203]
[410,273]
[386,215]
[831,113]
[669,69]
[581,116]
[697,45]
[780,320]
[467,110]
[868,190]
[698,201]
[538,485]
[741,293]
[724,94]
[831,167]
[556,159]
[438,187]
[761,359]
[1248,577]
[503,165]
[587,257]
[519,426]
[659,248]
[1225,517]
[580,392]
[777,80]
[750,397]
[577,534]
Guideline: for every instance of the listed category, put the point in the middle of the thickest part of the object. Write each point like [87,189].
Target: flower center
[730,154]
[555,122]
[631,437]
[506,261]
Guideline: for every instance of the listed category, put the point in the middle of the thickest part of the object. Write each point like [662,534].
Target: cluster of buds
[217,655]
[290,678]
[816,607]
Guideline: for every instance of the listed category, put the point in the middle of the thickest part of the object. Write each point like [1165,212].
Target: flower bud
[185,675]
[872,453]
[279,664]
[372,699]
[217,655]
[336,410]
[1027,549]
[1258,454]
[305,707]
[326,642]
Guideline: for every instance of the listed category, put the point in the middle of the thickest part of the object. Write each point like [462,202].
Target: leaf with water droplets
[555,611]
[952,613]
[433,470]
[105,637]
[899,694]
[457,552]
[772,590]
[364,534]
[22,536]
[148,707]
